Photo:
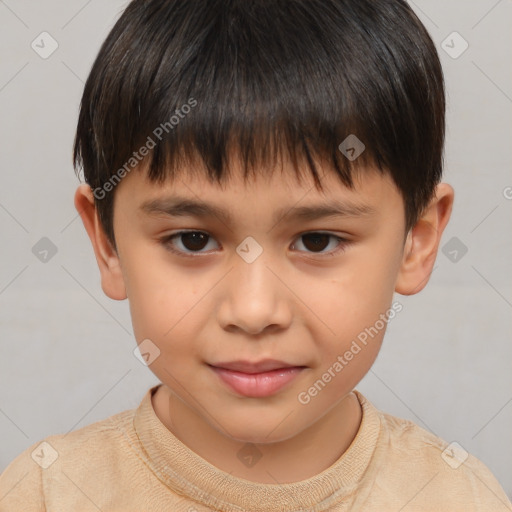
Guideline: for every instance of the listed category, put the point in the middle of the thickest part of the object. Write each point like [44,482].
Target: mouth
[256,379]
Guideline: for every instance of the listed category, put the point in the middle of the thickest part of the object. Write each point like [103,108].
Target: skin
[295,303]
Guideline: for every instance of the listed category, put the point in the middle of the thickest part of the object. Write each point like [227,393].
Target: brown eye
[194,241]
[187,243]
[316,241]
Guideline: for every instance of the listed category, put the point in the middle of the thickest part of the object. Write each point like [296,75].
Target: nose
[254,299]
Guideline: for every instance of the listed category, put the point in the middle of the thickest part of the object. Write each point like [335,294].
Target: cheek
[352,307]
[362,290]
[158,297]
[168,311]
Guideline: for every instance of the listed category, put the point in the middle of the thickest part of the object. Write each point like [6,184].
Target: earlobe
[112,280]
[422,242]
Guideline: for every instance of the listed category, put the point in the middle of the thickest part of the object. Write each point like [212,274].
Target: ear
[112,281]
[422,242]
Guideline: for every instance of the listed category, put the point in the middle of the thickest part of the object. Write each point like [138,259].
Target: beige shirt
[132,462]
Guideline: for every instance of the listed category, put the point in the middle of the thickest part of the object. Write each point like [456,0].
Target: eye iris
[194,241]
[320,241]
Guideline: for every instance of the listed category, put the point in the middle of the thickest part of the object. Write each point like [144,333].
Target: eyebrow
[178,206]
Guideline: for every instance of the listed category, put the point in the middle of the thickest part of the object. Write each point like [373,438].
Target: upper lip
[266,365]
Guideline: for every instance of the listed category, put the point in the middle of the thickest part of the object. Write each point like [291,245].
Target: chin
[258,437]
[269,432]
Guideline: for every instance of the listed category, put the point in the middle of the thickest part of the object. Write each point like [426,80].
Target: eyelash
[166,242]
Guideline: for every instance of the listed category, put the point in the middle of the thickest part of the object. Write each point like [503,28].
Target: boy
[221,142]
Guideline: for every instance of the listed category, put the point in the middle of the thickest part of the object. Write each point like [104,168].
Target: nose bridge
[254,279]
[253,298]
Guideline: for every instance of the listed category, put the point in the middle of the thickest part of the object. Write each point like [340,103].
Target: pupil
[194,241]
[320,241]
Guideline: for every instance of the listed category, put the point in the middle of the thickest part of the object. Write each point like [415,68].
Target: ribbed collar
[186,473]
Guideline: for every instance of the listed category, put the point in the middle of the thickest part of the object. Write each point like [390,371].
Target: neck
[320,445]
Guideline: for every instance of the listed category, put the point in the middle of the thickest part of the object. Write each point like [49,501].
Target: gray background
[66,349]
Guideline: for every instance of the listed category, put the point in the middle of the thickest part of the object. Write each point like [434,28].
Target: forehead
[272,194]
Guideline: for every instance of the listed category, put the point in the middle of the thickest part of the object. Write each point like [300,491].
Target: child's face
[298,301]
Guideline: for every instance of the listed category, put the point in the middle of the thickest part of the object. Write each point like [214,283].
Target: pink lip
[265,365]
[257,385]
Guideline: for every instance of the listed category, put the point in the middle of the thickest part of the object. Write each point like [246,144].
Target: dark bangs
[188,79]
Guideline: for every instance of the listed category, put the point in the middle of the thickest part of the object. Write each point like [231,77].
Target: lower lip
[257,385]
